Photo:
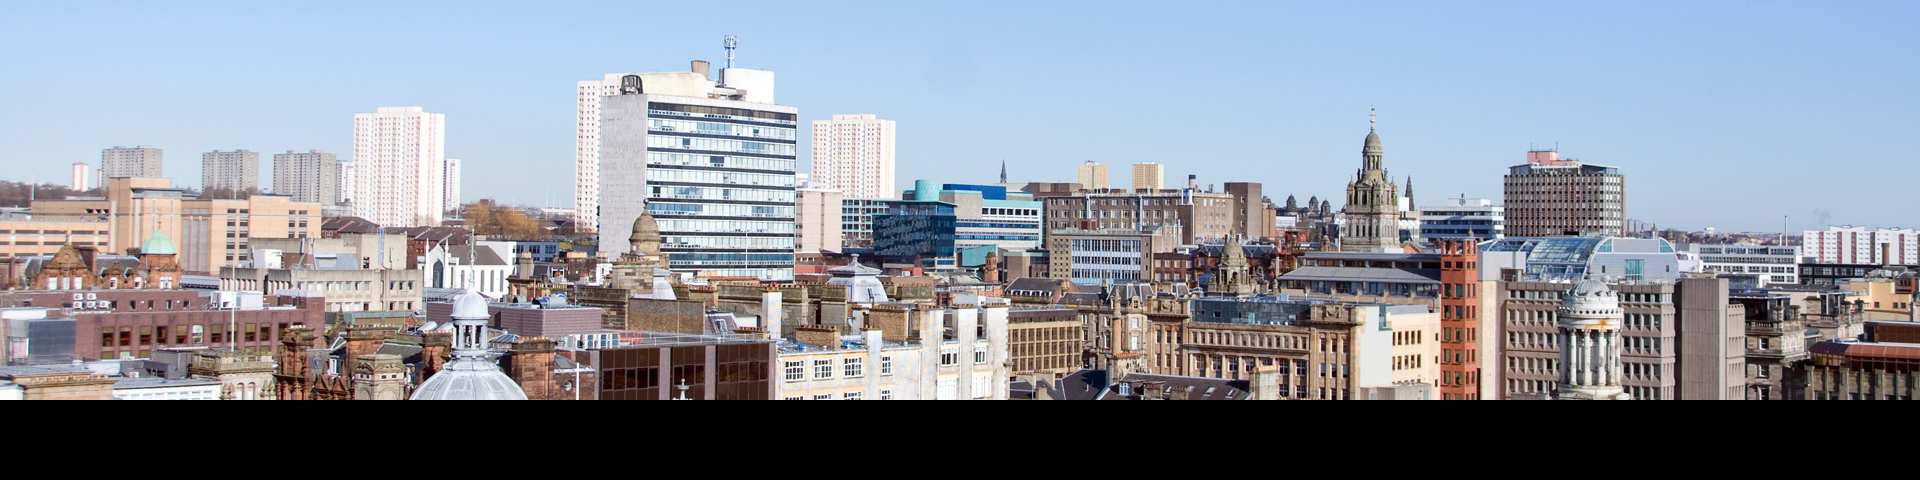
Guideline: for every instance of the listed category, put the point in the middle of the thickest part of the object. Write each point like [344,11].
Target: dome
[158,244]
[469,379]
[1373,142]
[1590,298]
[470,305]
[645,238]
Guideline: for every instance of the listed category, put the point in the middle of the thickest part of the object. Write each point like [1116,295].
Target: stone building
[1884,365]
[1372,213]
[1589,324]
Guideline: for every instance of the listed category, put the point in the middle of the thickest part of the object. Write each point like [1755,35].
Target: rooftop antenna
[731,43]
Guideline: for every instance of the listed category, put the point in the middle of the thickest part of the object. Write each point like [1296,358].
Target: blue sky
[1722,114]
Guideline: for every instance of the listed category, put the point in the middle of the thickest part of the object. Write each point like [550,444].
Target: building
[310,177]
[452,199]
[212,233]
[1461,323]
[1589,324]
[1548,196]
[1472,218]
[1044,340]
[29,238]
[470,375]
[1880,366]
[856,221]
[344,288]
[1321,350]
[142,161]
[1092,176]
[934,224]
[82,177]
[237,171]
[1372,213]
[1199,214]
[854,154]
[902,354]
[819,219]
[130,324]
[1115,255]
[1848,244]
[54,382]
[1776,345]
[1149,176]
[1880,297]
[1766,265]
[480,268]
[1253,215]
[713,160]
[346,184]
[399,166]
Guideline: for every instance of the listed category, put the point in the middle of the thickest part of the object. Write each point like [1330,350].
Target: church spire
[1003,170]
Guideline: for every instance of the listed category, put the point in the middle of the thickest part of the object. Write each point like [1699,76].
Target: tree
[504,222]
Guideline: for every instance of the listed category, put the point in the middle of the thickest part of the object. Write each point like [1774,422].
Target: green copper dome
[158,244]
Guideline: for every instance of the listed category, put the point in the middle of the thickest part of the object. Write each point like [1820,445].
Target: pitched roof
[349,225]
[1143,386]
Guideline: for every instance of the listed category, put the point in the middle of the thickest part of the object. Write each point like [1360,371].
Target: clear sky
[1721,114]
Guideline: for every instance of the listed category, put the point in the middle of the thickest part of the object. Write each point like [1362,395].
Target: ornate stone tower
[379,377]
[633,271]
[1590,321]
[1373,205]
[1234,277]
[243,375]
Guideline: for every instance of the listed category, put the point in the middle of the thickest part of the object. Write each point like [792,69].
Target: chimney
[770,312]
[701,67]
[824,337]
[435,347]
[526,266]
[530,364]
[1265,383]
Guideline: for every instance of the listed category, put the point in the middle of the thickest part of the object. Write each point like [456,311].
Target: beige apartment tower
[855,154]
[400,166]
[238,170]
[312,176]
[1150,176]
[82,177]
[1092,175]
[142,161]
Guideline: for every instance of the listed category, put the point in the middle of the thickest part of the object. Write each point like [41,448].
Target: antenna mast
[731,43]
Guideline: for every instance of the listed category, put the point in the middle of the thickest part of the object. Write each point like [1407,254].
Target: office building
[236,171]
[1150,176]
[82,177]
[210,233]
[142,161]
[856,221]
[1764,264]
[935,223]
[1549,196]
[712,160]
[311,177]
[1372,214]
[1092,176]
[1114,255]
[400,166]
[1849,244]
[854,154]
[1463,218]
[452,199]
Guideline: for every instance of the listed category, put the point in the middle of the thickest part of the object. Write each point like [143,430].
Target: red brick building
[1459,320]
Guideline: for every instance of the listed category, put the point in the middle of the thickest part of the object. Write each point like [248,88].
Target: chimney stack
[701,67]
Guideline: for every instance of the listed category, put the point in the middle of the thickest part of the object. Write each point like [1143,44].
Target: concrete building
[238,170]
[452,198]
[1149,176]
[1474,218]
[856,221]
[400,166]
[1766,265]
[1550,196]
[347,183]
[82,177]
[855,154]
[28,238]
[1372,212]
[310,177]
[142,161]
[1849,244]
[713,160]
[818,220]
[901,354]
[1092,176]
[1115,255]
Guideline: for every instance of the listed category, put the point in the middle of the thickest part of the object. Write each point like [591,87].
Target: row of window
[823,369]
[722,161]
[720,145]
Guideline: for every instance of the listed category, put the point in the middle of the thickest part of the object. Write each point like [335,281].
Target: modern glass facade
[912,230]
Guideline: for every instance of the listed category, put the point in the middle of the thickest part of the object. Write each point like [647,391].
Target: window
[795,398]
[982,387]
[851,395]
[854,367]
[980,354]
[886,367]
[886,394]
[949,389]
[822,369]
[823,396]
[949,356]
[796,371]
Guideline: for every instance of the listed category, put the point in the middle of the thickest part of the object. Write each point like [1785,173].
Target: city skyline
[1715,112]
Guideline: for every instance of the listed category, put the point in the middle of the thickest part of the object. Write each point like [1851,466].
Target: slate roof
[1080,385]
[349,225]
[1357,274]
[1143,386]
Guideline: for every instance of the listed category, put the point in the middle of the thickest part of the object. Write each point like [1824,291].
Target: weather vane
[1372,114]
